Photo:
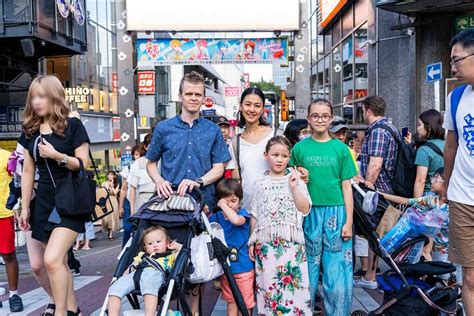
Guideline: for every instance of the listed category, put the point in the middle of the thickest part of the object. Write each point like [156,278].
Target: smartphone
[405,131]
[54,217]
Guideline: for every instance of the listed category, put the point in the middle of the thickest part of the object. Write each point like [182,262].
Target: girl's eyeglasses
[436,179]
[324,117]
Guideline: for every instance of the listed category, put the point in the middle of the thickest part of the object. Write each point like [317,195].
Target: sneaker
[16,305]
[75,272]
[363,283]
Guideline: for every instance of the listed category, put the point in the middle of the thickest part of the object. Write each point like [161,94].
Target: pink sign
[232,91]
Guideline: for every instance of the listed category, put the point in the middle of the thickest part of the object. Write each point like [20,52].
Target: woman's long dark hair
[433,121]
[293,129]
[241,120]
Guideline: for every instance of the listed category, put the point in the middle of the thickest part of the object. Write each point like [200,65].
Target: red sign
[116,128]
[115,83]
[208,102]
[146,82]
[231,91]
[246,80]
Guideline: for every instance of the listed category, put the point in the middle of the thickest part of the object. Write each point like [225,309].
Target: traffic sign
[434,72]
[209,112]
[208,102]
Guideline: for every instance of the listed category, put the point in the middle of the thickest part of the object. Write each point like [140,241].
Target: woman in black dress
[53,140]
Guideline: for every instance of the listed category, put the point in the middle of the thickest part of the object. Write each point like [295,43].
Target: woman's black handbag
[75,196]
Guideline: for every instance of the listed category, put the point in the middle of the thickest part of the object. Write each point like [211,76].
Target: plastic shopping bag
[206,266]
[401,232]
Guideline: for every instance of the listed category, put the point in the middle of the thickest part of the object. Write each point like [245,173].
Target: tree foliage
[266,86]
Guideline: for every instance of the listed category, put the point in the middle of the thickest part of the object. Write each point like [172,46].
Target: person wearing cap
[224,125]
[339,130]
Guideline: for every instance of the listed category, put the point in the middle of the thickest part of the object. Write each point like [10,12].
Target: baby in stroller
[158,254]
[426,204]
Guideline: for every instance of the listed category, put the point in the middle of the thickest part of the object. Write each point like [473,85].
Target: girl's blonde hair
[58,107]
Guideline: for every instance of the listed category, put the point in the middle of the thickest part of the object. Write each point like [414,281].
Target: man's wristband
[200,182]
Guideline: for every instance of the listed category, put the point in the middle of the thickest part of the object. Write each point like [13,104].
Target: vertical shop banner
[10,121]
[116,128]
[146,82]
[115,84]
[152,52]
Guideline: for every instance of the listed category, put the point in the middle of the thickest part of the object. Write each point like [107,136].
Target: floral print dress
[282,282]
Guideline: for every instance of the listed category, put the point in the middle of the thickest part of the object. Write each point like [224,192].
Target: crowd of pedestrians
[285,202]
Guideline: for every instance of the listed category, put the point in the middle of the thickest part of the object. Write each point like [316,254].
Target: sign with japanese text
[146,82]
[116,128]
[152,52]
[115,83]
[464,22]
[232,91]
[10,121]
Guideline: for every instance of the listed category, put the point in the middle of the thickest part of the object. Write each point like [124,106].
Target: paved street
[98,265]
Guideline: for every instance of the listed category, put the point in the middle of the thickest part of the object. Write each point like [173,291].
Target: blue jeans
[127,227]
[324,246]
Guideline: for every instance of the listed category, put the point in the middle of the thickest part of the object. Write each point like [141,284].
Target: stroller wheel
[359,313]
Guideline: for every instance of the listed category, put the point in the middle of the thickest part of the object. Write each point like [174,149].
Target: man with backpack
[459,163]
[378,163]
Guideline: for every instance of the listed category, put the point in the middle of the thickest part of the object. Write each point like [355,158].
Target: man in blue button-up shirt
[191,148]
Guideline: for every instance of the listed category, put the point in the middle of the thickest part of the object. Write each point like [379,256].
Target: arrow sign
[434,72]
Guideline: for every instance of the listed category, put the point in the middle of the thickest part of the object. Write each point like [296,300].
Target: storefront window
[327,85]
[336,75]
[348,113]
[347,22]
[361,9]
[359,117]
[320,93]
[91,6]
[360,53]
[336,32]
[347,69]
[327,43]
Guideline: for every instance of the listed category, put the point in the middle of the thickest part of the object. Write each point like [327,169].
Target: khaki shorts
[461,234]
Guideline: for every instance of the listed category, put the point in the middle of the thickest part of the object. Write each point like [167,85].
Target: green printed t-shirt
[329,163]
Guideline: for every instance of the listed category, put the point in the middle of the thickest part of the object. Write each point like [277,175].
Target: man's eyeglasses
[457,60]
[324,117]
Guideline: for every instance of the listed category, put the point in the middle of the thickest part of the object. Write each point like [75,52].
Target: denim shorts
[150,283]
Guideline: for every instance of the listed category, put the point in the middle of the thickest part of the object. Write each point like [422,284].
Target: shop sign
[126,160]
[146,82]
[116,128]
[231,91]
[74,7]
[78,94]
[10,121]
[328,10]
[464,22]
[208,102]
[115,84]
[211,112]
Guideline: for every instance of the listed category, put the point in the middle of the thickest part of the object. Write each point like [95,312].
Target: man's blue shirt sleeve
[155,150]
[220,151]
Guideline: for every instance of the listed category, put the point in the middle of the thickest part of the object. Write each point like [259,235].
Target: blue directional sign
[211,112]
[434,72]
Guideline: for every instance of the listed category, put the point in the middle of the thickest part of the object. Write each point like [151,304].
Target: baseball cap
[220,120]
[337,124]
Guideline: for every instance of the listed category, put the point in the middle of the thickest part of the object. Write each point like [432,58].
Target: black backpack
[403,181]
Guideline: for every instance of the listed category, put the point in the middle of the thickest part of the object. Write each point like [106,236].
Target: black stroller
[416,288]
[183,218]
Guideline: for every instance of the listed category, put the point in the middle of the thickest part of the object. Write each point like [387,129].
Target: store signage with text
[232,91]
[146,82]
[329,9]
[78,94]
[208,102]
[115,82]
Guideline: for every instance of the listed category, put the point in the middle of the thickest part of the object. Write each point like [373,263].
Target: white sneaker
[363,283]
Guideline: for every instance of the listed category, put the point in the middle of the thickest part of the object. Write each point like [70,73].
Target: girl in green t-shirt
[328,227]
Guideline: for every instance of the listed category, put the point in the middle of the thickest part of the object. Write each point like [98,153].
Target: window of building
[327,78]
[320,81]
[360,54]
[361,10]
[336,75]
[347,22]
[347,69]
[336,32]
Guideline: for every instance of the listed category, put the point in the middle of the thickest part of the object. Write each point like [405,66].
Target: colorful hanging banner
[207,51]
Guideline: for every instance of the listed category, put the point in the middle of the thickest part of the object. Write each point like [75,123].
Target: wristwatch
[63,162]
[200,182]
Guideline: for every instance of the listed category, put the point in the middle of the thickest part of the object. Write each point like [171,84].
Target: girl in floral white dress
[276,243]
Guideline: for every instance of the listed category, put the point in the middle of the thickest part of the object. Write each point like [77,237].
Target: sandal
[77,313]
[50,306]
